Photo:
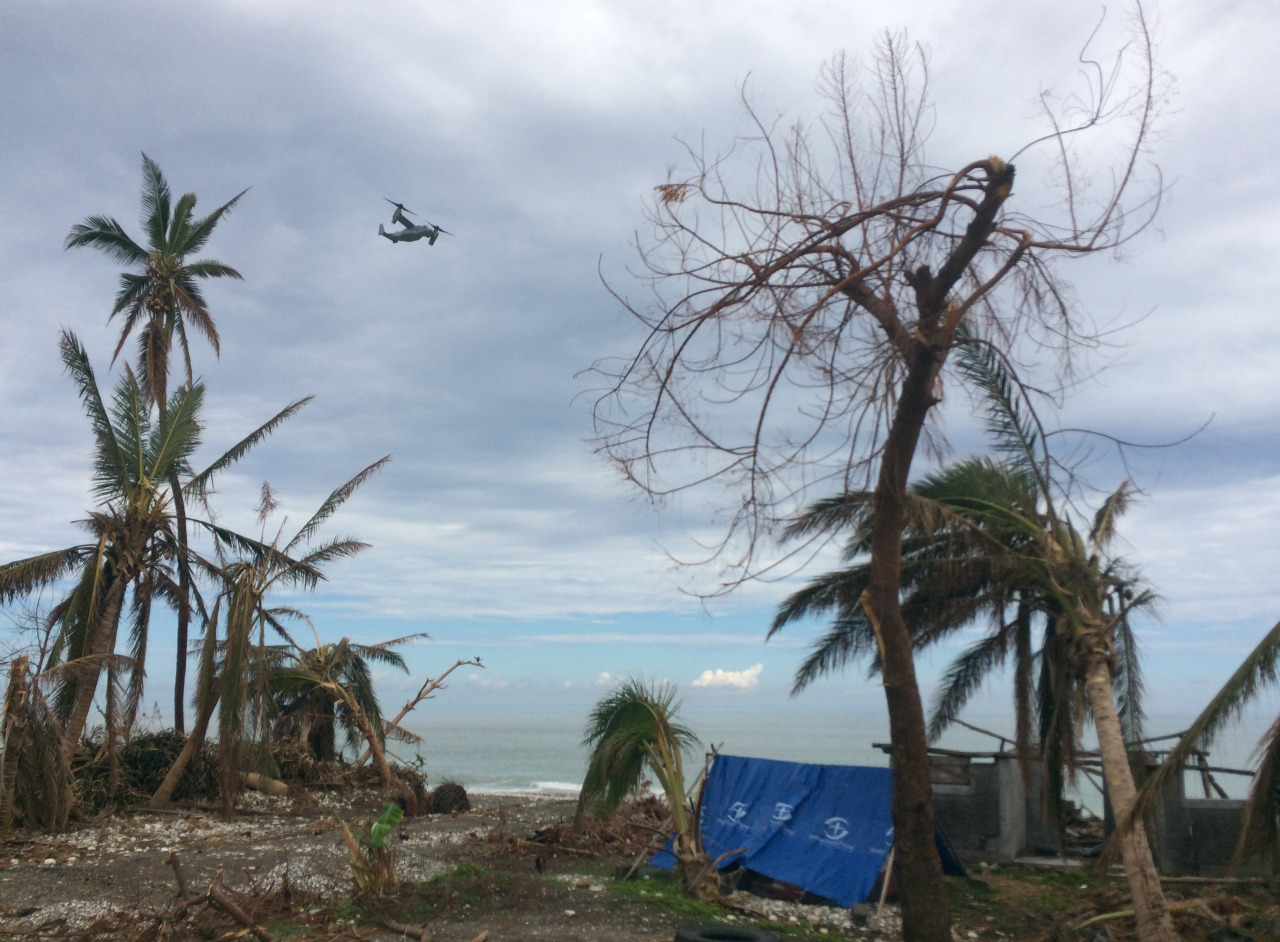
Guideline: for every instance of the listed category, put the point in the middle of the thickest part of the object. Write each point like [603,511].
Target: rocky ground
[507,867]
[511,867]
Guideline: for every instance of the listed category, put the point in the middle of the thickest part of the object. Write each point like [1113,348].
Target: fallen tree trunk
[268,786]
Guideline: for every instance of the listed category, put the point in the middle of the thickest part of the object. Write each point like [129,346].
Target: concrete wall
[991,817]
[1198,836]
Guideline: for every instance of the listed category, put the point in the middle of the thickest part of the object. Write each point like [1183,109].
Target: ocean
[541,752]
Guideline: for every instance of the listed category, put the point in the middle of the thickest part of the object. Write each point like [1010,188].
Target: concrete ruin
[990,815]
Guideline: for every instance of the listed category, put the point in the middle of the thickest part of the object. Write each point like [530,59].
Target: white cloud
[719,677]
[605,679]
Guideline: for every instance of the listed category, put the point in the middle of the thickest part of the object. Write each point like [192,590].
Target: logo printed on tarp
[782,811]
[736,812]
[836,829]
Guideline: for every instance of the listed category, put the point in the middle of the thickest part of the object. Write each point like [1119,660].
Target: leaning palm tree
[985,539]
[330,687]
[1260,670]
[133,552]
[160,299]
[235,671]
[632,729]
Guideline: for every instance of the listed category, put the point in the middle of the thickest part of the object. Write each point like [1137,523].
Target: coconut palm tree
[160,299]
[133,553]
[236,672]
[985,538]
[321,689]
[631,729]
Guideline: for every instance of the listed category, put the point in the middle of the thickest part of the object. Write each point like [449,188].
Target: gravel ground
[56,885]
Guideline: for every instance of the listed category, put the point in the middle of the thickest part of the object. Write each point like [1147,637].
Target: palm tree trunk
[1150,909]
[102,643]
[15,721]
[366,729]
[110,720]
[189,751]
[184,608]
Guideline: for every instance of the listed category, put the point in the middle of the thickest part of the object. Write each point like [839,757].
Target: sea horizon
[543,754]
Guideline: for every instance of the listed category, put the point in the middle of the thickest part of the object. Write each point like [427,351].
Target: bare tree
[803,318]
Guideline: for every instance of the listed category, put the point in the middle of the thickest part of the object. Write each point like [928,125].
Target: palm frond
[1259,670]
[177,239]
[333,502]
[177,435]
[848,639]
[198,485]
[109,462]
[963,678]
[1012,421]
[1104,521]
[1127,681]
[839,591]
[1260,832]
[107,236]
[156,200]
[850,510]
[25,576]
[200,230]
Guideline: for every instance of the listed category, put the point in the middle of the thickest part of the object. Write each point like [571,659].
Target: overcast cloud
[535,133]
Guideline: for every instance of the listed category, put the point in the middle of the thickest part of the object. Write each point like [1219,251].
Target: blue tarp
[826,828]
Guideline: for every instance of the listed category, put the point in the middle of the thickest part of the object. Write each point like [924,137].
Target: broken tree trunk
[15,721]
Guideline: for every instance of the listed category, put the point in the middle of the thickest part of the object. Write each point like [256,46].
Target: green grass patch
[971,895]
[282,927]
[467,888]
[461,872]
[664,890]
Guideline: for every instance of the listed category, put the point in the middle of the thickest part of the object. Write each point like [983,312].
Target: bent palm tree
[241,678]
[160,300]
[634,727]
[133,552]
[1260,833]
[984,538]
[319,690]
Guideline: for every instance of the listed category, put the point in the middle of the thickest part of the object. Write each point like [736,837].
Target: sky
[534,134]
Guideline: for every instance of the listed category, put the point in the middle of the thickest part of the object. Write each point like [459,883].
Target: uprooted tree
[803,315]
